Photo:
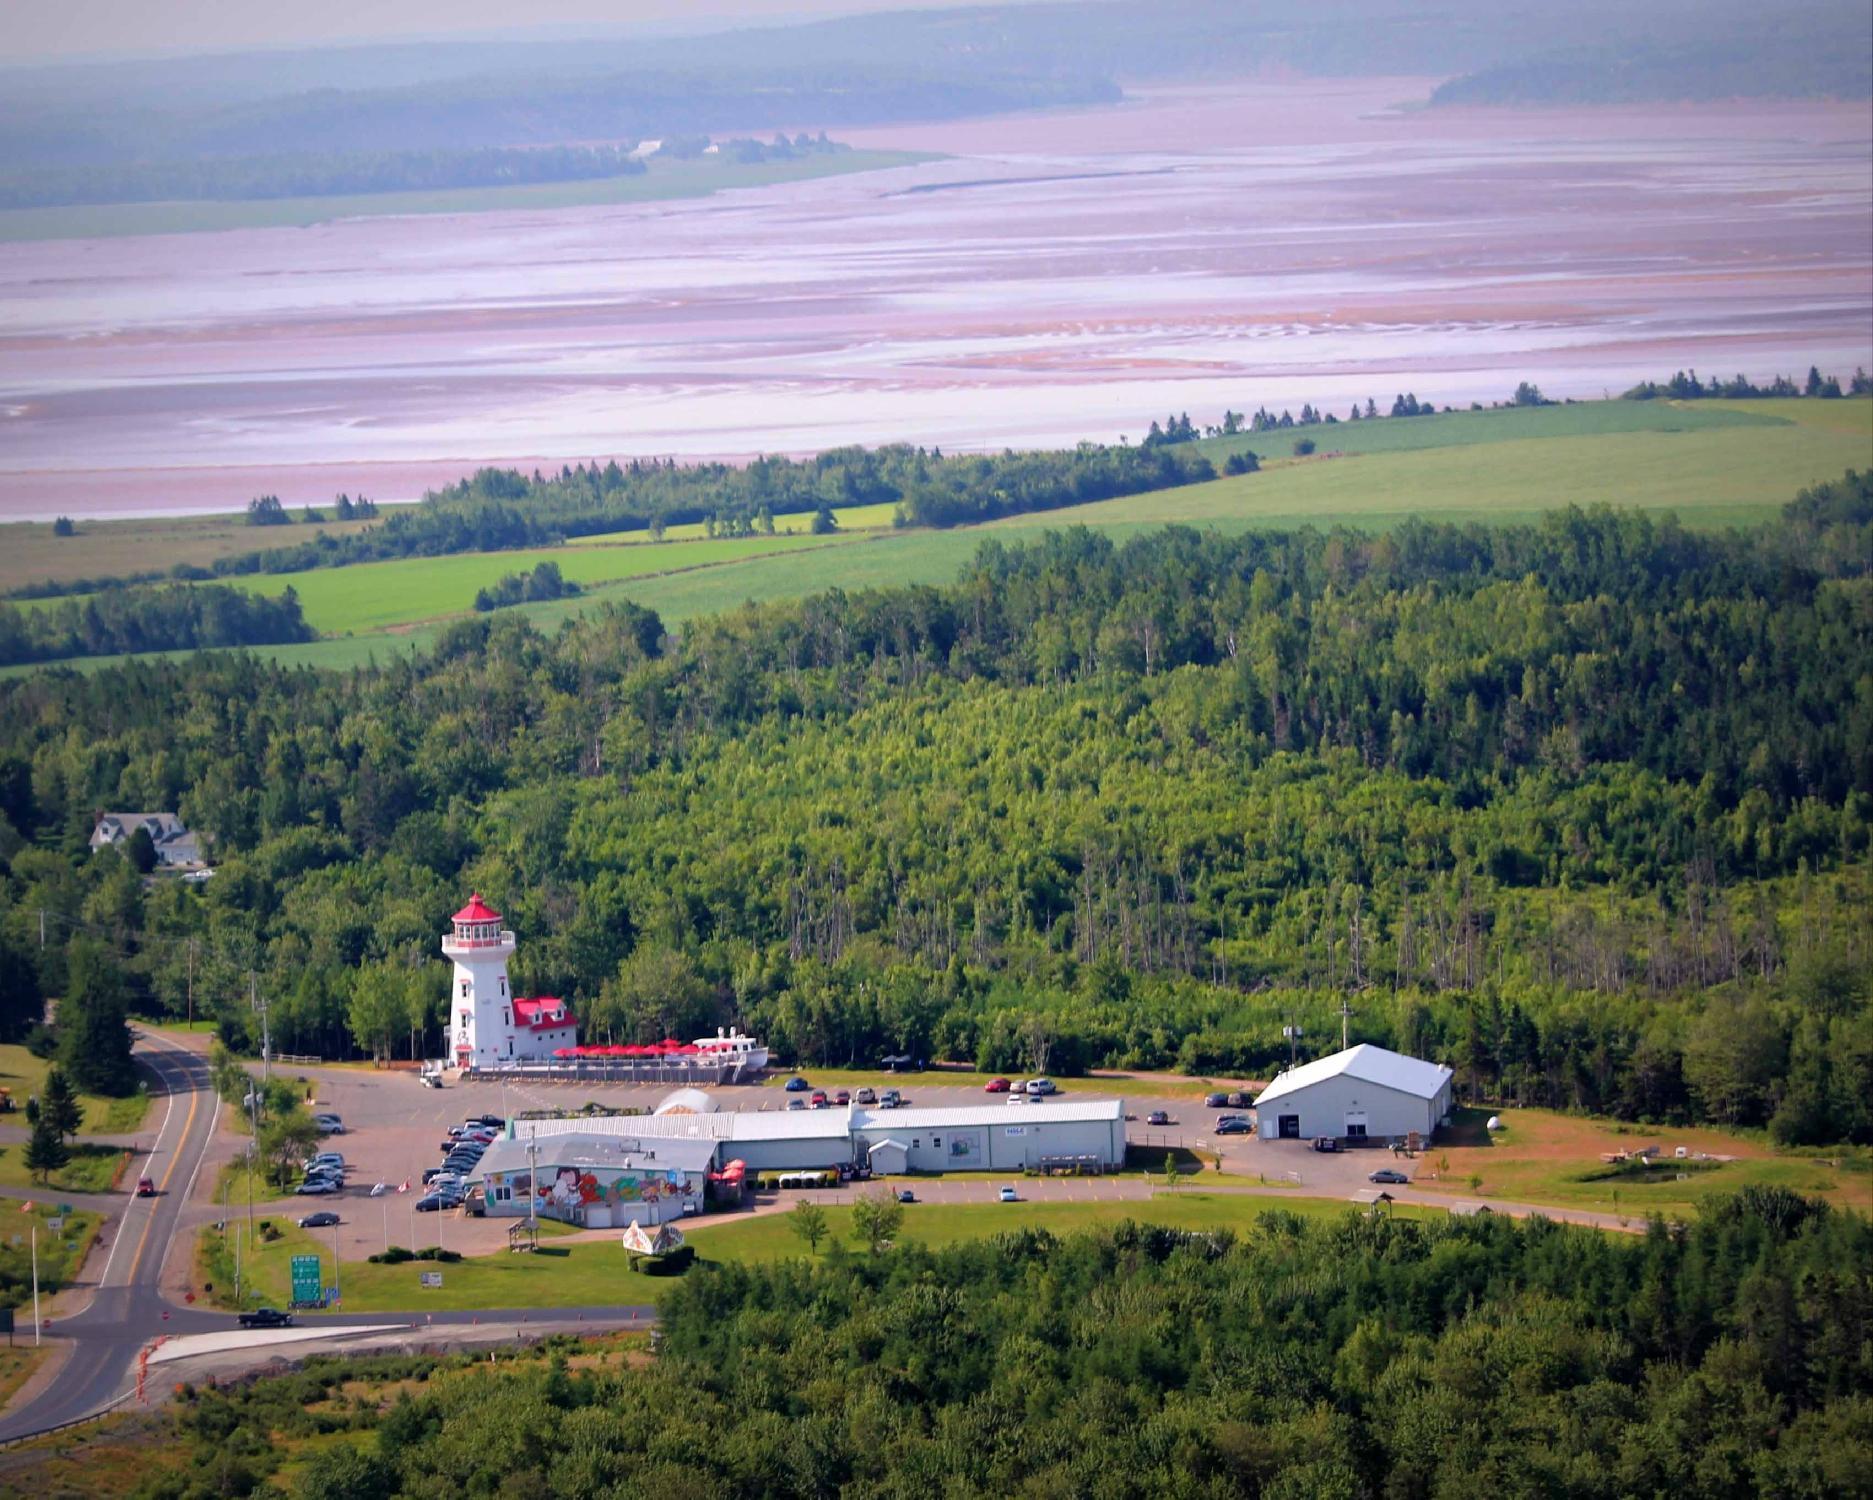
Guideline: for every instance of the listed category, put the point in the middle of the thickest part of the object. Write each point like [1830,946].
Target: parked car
[324,1219]
[866,1096]
[819,1099]
[841,1097]
[266,1317]
[316,1187]
[995,1086]
[429,1203]
[330,1124]
[905,1195]
[325,1159]
[1236,1126]
[1388,1174]
[1326,1143]
[494,1120]
[1157,1117]
[890,1099]
[1009,1195]
[146,1188]
[1014,1098]
[796,1104]
[1042,1086]
[1239,1100]
[1216,1101]
[797,1085]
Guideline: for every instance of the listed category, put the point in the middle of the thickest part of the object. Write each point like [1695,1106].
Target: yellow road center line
[175,1158]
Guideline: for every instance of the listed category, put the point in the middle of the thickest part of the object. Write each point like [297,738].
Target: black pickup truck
[266,1317]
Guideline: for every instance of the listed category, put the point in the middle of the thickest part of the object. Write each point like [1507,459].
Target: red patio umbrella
[565,1052]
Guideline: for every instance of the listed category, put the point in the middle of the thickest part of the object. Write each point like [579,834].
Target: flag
[404,1186]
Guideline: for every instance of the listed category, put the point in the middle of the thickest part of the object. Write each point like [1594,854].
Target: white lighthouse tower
[481,1009]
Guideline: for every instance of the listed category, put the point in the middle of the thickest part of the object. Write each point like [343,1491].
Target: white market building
[598,1181]
[1084,1133]
[1363,1093]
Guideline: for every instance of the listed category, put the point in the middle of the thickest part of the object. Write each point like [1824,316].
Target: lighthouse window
[504,1019]
[464,989]
[503,984]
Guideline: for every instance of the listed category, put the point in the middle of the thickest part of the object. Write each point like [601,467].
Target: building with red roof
[488,1024]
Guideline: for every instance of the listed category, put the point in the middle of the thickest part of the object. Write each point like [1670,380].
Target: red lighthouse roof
[477,911]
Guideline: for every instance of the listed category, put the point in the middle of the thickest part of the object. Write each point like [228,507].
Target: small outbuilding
[1364,1093]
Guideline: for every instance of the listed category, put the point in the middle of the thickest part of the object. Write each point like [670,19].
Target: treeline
[531,587]
[1685,386]
[122,620]
[1581,808]
[312,175]
[501,509]
[1349,1357]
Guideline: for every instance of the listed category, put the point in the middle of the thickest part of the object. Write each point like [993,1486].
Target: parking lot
[395,1128]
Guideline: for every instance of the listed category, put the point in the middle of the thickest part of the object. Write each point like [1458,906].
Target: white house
[175,845]
[487,1024]
[1362,1093]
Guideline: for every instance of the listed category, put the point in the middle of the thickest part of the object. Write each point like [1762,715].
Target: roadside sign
[53,1226]
[432,1278]
[308,1281]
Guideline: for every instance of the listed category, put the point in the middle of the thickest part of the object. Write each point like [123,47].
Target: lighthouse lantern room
[488,1026]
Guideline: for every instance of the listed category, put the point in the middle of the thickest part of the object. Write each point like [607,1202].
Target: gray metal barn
[994,1138]
[1363,1093]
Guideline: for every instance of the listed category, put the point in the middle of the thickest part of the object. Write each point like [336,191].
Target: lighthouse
[488,1026]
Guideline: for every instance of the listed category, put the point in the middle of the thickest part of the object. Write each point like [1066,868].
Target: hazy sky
[36,30]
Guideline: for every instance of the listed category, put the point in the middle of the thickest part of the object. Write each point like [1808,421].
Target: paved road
[125,1305]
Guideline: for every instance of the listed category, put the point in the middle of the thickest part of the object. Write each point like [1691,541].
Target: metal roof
[1060,1112]
[1367,1063]
[581,1149]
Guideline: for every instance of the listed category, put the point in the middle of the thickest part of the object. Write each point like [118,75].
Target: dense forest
[1330,1360]
[176,618]
[1581,807]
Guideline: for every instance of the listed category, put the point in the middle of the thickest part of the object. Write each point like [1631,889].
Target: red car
[145,1188]
[818,1100]
[842,1097]
[995,1086]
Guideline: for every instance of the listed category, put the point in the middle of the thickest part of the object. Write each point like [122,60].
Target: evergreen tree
[94,1041]
[45,1152]
[22,1007]
[60,1105]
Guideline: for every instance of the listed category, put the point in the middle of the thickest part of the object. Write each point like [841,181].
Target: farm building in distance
[1362,1093]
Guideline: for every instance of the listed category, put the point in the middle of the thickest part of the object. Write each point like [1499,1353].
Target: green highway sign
[308,1282]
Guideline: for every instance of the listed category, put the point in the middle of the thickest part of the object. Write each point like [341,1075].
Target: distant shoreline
[664,182]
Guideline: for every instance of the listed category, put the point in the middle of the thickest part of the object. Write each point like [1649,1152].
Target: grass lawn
[593,1272]
[1544,1157]
[17,1363]
[61,1252]
[665,180]
[25,1075]
[92,1169]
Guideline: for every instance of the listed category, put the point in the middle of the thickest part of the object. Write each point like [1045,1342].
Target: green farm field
[375,596]
[664,181]
[1712,465]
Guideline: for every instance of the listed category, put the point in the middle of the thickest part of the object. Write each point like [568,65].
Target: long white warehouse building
[1063,1133]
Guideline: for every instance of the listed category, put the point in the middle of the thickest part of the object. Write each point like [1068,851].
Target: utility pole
[36,1323]
[1346,1011]
[42,927]
[191,983]
[266,1036]
[1293,1034]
